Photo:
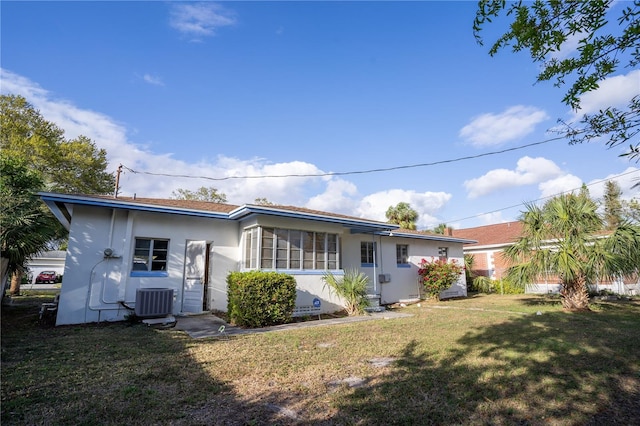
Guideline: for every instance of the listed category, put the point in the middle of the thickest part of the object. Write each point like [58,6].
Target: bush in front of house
[438,275]
[260,299]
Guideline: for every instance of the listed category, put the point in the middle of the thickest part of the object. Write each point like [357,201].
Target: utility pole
[115,193]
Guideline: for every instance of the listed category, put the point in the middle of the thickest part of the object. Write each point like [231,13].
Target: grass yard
[482,360]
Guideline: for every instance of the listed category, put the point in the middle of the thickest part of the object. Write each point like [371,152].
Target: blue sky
[232,89]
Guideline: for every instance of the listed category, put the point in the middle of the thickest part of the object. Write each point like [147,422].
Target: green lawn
[481,360]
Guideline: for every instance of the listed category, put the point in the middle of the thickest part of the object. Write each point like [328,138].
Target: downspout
[375,274]
[381,268]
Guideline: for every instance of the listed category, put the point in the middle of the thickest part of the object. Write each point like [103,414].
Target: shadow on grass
[110,374]
[555,368]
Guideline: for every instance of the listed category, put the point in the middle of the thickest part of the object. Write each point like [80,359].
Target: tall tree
[544,27]
[26,226]
[402,215]
[563,238]
[70,166]
[201,194]
[54,164]
[631,211]
[262,201]
[612,205]
[440,229]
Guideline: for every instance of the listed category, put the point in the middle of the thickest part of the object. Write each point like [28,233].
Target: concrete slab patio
[208,325]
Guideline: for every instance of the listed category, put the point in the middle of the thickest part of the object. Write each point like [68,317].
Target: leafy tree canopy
[402,215]
[27,227]
[440,229]
[612,205]
[607,40]
[201,194]
[69,166]
[263,202]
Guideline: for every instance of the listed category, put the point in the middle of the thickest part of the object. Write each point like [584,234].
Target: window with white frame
[290,249]
[367,253]
[150,254]
[443,253]
[402,254]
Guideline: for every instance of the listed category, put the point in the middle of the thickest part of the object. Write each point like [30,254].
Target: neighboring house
[489,261]
[119,245]
[491,240]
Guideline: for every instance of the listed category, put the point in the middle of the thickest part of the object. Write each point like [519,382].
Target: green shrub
[505,286]
[259,299]
[483,284]
[438,275]
[352,289]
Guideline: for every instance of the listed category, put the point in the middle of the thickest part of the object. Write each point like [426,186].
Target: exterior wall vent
[154,302]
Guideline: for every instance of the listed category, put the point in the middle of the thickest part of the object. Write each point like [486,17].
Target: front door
[194,277]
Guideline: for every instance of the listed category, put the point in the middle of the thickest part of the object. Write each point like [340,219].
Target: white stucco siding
[403,284]
[94,287]
[309,287]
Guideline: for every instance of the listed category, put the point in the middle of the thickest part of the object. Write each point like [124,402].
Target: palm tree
[26,226]
[564,238]
[402,215]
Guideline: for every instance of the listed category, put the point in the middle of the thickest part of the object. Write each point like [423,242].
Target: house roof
[62,207]
[497,234]
[425,235]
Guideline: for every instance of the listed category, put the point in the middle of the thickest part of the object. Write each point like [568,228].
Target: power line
[542,198]
[387,169]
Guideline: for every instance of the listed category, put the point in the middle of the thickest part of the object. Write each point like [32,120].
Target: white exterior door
[194,277]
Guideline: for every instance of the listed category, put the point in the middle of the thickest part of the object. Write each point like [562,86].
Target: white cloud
[198,20]
[112,136]
[528,171]
[339,197]
[612,92]
[559,185]
[625,180]
[491,218]
[321,193]
[427,204]
[569,47]
[495,129]
[152,79]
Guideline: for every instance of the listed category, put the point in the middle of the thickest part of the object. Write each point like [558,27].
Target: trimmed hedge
[260,299]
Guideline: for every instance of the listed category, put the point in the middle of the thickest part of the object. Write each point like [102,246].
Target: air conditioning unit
[384,278]
[153,302]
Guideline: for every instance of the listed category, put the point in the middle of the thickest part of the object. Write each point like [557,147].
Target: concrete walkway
[208,325]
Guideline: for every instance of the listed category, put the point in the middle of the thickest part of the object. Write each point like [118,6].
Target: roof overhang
[354,225]
[430,237]
[61,205]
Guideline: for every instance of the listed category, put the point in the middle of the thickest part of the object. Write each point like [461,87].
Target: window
[150,255]
[402,254]
[291,249]
[367,253]
[250,248]
[443,253]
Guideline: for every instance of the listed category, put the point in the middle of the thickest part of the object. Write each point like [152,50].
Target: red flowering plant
[438,275]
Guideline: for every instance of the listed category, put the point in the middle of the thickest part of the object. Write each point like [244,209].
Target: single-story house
[118,246]
[489,261]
